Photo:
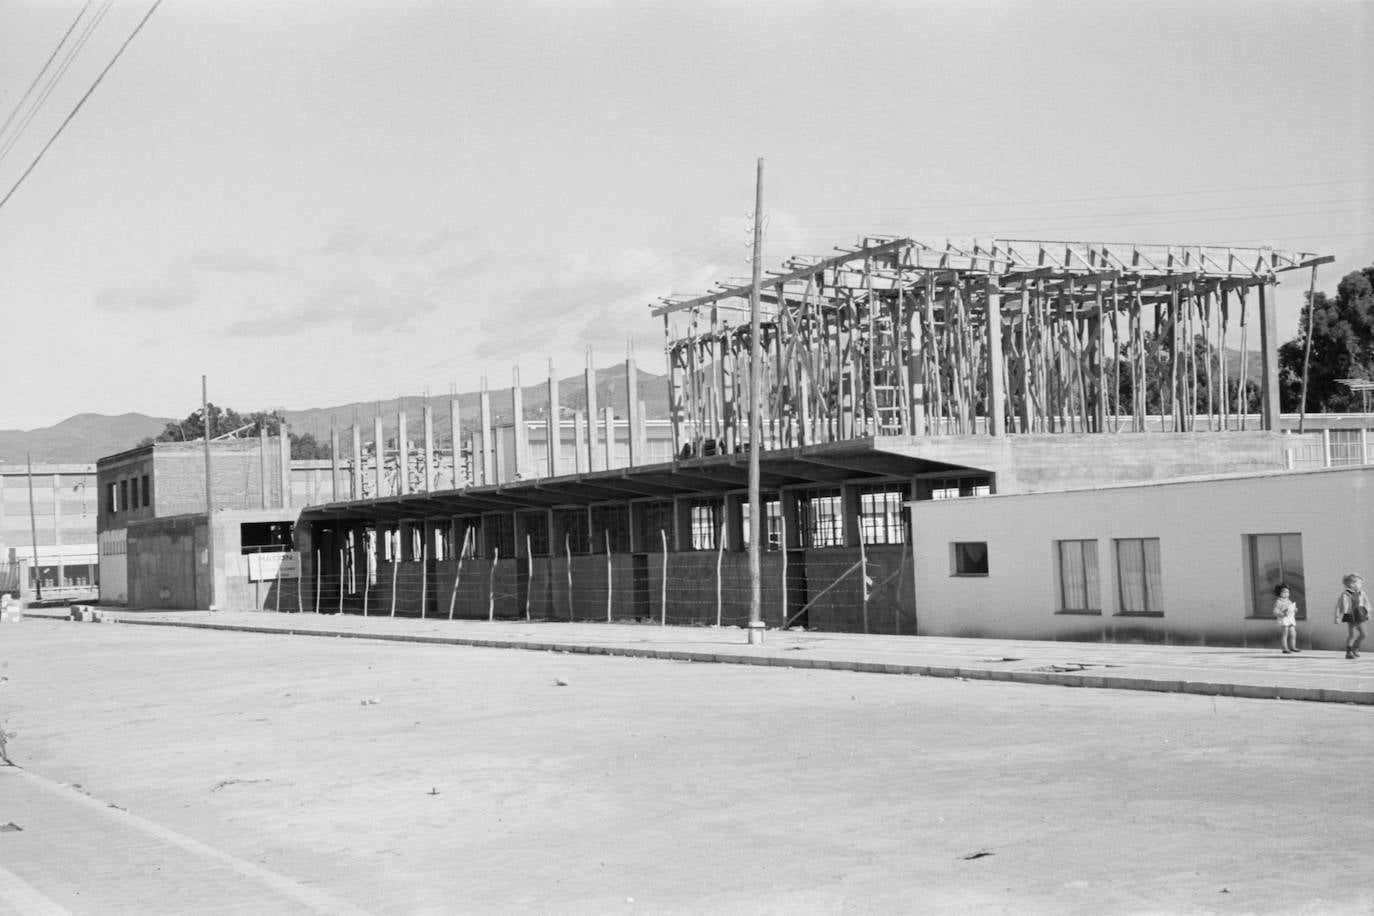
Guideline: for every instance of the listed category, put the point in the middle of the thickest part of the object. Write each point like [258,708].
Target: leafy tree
[226,422]
[1342,347]
[1158,378]
[305,446]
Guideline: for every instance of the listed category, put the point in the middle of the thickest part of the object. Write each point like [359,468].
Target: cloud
[353,238]
[376,304]
[172,294]
[234,263]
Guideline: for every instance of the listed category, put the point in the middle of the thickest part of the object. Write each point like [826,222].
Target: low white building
[1186,561]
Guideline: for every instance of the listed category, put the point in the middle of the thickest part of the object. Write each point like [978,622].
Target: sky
[316,202]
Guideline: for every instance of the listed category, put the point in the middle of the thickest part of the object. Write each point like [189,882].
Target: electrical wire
[61,127]
[46,64]
[67,60]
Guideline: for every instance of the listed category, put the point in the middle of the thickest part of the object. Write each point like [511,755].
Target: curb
[1051,678]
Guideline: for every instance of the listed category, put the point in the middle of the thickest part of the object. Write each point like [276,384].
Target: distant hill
[87,437]
[78,440]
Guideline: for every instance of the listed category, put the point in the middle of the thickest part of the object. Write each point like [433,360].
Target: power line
[61,127]
[48,87]
[48,63]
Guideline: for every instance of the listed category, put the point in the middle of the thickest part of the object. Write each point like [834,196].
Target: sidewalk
[1320,676]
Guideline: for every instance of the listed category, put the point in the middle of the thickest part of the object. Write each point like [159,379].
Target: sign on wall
[263,566]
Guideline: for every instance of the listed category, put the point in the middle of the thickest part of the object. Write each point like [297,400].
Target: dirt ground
[409,778]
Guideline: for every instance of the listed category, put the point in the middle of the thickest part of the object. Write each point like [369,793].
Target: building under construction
[899,338]
[919,403]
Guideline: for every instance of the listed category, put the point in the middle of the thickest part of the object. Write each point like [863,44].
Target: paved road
[185,769]
[1215,671]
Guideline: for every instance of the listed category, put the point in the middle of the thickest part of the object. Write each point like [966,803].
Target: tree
[1342,347]
[227,422]
[305,446]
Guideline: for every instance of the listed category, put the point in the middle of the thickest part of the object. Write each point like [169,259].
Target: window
[1347,447]
[123,495]
[706,520]
[500,531]
[1080,591]
[535,533]
[573,529]
[467,536]
[772,524]
[112,497]
[970,558]
[133,492]
[820,519]
[147,499]
[610,529]
[880,514]
[653,518]
[265,537]
[956,487]
[1138,576]
[1275,558]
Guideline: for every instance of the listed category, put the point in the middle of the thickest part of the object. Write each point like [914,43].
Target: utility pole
[1307,348]
[755,424]
[209,504]
[33,533]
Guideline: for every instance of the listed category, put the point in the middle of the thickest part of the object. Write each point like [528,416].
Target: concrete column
[333,463]
[455,427]
[632,411]
[518,450]
[379,466]
[593,457]
[641,435]
[488,475]
[284,444]
[609,414]
[402,454]
[1269,357]
[264,467]
[554,435]
[428,476]
[355,483]
[580,450]
[996,383]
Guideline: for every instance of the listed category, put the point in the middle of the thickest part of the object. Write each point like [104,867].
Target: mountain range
[86,437]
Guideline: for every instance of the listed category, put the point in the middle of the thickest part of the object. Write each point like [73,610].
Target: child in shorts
[1352,609]
[1286,612]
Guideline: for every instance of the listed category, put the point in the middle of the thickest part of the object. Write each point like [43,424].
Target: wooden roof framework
[898,337]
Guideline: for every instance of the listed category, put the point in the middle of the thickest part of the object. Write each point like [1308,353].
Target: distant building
[54,547]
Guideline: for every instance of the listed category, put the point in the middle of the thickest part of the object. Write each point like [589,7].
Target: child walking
[1352,609]
[1286,612]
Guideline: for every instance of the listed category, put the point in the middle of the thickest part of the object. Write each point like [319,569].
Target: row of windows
[126,494]
[703,523]
[1270,559]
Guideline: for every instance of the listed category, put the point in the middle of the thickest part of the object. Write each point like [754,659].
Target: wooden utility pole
[209,496]
[755,424]
[1307,349]
[33,534]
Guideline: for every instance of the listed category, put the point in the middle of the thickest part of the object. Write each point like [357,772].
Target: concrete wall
[166,567]
[1202,527]
[1041,463]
